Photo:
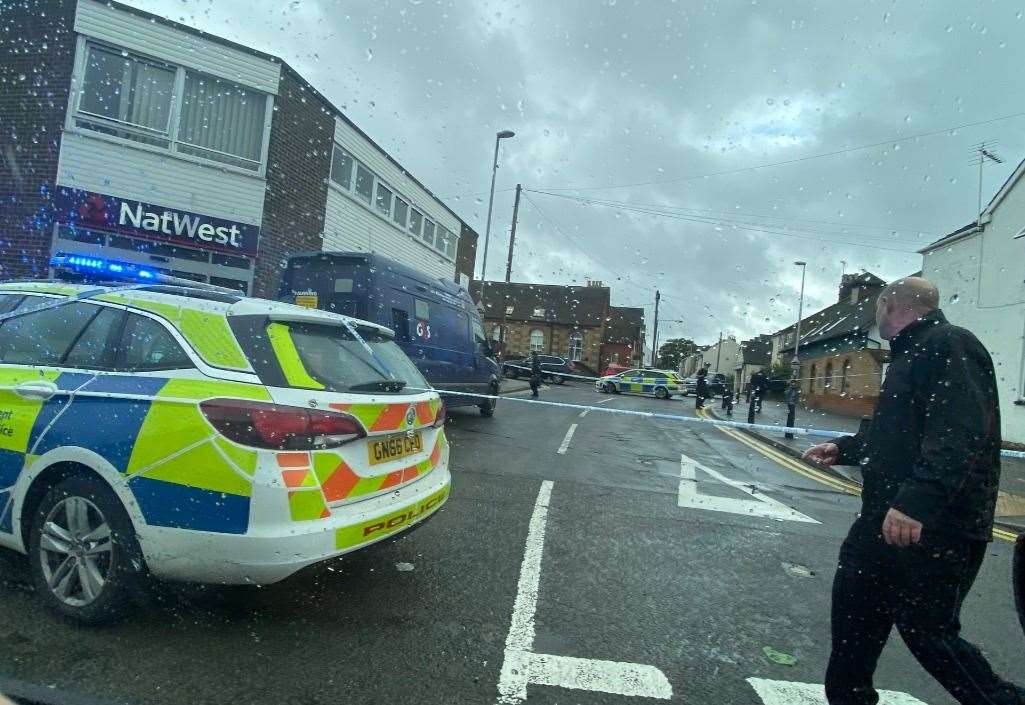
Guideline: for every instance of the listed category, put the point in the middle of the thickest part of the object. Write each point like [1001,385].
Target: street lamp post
[504,134]
[796,362]
[800,312]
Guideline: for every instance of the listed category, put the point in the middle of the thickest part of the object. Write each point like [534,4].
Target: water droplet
[370,55]
[769,101]
[950,28]
[954,299]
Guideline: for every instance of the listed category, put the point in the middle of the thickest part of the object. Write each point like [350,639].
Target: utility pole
[654,333]
[718,353]
[512,234]
[508,270]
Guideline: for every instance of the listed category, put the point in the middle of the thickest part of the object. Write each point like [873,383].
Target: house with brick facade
[841,353]
[137,138]
[554,319]
[623,340]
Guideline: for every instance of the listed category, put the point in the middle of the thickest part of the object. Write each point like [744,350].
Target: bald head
[903,302]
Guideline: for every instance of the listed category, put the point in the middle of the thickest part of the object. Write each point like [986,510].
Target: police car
[662,383]
[190,433]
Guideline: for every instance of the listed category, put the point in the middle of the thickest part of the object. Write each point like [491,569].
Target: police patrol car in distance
[188,432]
[662,383]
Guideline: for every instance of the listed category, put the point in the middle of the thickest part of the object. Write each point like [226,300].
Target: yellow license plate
[394,447]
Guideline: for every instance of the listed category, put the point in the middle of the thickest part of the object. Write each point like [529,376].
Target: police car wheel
[85,560]
[615,389]
[661,393]
[558,379]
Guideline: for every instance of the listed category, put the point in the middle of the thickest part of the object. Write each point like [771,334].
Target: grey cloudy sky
[608,93]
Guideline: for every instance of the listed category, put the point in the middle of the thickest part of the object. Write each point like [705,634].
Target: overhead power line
[796,160]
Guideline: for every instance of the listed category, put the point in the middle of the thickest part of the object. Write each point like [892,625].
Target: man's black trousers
[919,589]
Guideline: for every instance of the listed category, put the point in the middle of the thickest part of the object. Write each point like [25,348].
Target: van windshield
[333,358]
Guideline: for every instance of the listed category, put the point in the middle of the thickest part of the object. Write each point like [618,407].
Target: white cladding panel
[349,226]
[366,152]
[103,166]
[161,41]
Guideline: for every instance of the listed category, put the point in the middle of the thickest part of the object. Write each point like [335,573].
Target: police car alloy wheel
[84,557]
[661,393]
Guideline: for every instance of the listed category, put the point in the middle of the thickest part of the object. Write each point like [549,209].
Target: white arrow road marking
[793,693]
[522,666]
[761,506]
[567,439]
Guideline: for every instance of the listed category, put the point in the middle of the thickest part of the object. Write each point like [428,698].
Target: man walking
[931,467]
[759,386]
[535,373]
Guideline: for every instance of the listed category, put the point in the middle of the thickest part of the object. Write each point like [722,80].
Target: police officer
[701,391]
[759,387]
[931,466]
[535,373]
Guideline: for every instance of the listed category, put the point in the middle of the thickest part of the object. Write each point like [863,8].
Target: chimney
[857,287]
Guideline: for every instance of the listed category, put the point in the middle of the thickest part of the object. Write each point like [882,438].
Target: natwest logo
[179,225]
[154,222]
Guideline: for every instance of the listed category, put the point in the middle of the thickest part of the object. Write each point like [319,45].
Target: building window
[341,167]
[537,340]
[576,346]
[126,96]
[508,310]
[221,121]
[614,358]
[364,189]
[416,221]
[401,213]
[827,381]
[844,380]
[496,333]
[538,313]
[383,200]
[131,97]
[429,232]
[811,379]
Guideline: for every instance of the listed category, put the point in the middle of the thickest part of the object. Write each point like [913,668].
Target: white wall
[727,359]
[982,288]
[95,164]
[350,224]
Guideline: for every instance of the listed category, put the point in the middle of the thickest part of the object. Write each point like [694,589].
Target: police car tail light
[280,427]
[439,420]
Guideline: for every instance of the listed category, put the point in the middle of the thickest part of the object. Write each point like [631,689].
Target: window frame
[111,347]
[530,340]
[46,304]
[177,95]
[576,337]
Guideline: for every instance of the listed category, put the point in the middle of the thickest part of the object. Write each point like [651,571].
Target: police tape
[768,428]
[551,373]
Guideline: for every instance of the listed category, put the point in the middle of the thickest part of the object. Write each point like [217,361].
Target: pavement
[1010,509]
[584,557]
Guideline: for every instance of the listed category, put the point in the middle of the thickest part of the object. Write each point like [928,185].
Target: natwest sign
[121,215]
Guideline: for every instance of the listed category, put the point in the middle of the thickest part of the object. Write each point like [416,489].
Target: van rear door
[332,283]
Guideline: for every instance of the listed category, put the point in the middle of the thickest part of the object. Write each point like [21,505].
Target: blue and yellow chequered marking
[643,384]
[154,434]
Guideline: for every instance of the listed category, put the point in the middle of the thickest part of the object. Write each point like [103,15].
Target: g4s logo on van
[423,330]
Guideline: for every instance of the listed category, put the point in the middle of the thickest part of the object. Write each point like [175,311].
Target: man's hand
[823,454]
[901,530]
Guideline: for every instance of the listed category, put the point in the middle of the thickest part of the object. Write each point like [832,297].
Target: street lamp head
[505,134]
[801,263]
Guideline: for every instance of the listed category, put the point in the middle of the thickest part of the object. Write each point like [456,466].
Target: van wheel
[661,393]
[487,407]
[558,379]
[85,560]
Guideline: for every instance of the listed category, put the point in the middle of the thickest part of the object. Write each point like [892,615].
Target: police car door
[46,354]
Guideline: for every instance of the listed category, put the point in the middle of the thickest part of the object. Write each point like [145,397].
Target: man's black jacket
[933,448]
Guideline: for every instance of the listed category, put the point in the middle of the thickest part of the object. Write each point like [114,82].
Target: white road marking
[793,693]
[522,666]
[567,439]
[584,413]
[605,401]
[761,506]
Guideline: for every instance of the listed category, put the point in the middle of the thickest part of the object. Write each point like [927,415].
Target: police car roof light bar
[86,265]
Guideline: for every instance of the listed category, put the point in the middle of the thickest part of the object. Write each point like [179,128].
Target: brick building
[841,352]
[568,321]
[129,136]
[623,340]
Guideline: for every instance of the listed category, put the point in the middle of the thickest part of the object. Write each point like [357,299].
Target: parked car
[435,321]
[554,369]
[718,384]
[614,369]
